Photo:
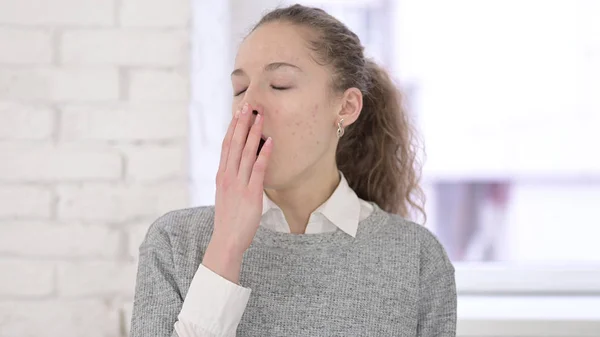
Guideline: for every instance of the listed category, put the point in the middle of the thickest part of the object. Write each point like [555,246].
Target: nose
[254,114]
[256,108]
[253,96]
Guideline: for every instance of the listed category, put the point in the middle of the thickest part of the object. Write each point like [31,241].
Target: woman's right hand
[238,202]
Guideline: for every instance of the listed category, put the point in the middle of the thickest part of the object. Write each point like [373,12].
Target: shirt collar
[342,208]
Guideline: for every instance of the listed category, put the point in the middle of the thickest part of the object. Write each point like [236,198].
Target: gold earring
[340,129]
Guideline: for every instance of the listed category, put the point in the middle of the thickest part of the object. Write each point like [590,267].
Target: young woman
[308,235]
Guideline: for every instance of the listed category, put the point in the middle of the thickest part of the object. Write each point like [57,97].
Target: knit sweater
[393,279]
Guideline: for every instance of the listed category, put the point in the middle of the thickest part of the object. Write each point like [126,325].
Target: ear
[352,103]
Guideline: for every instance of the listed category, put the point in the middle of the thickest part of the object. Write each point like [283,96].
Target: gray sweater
[393,279]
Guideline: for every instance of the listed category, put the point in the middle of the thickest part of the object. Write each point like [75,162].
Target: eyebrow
[269,67]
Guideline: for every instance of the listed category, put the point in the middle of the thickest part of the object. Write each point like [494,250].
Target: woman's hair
[378,152]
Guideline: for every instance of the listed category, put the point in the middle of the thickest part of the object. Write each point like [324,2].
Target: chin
[273,181]
[269,182]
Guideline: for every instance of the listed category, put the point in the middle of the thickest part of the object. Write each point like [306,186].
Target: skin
[276,74]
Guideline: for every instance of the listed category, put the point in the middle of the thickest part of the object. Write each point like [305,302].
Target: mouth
[260,144]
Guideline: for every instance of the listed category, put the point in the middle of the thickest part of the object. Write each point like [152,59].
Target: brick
[25,46]
[135,236]
[25,122]
[64,318]
[25,202]
[125,122]
[155,13]
[151,163]
[158,85]
[57,12]
[106,202]
[125,48]
[42,163]
[59,84]
[127,313]
[26,278]
[46,240]
[97,278]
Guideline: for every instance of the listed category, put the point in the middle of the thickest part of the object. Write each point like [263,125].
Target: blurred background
[112,113]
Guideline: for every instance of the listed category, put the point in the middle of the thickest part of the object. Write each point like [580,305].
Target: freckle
[297,123]
[293,133]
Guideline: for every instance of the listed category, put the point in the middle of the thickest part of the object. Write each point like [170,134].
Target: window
[505,94]
[369,19]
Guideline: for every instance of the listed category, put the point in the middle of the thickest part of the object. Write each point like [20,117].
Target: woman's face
[276,74]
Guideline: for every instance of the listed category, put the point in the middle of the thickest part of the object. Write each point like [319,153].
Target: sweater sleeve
[212,308]
[157,300]
[437,309]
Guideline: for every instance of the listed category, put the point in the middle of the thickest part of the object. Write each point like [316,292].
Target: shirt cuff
[214,303]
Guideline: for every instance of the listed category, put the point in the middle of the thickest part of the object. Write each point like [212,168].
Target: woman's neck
[298,202]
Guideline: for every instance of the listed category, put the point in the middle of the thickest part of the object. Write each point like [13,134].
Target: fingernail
[257,119]
[245,109]
[237,113]
[269,141]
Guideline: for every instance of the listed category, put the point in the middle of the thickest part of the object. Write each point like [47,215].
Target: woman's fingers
[238,141]
[227,143]
[249,152]
[238,152]
[257,177]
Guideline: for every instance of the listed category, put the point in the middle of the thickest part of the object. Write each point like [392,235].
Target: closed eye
[273,86]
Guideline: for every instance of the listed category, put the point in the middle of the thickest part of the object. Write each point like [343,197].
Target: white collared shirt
[342,210]
[214,305]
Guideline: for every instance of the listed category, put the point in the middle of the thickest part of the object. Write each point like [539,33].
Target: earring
[340,129]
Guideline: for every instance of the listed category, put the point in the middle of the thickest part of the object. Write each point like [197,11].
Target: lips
[260,144]
[263,138]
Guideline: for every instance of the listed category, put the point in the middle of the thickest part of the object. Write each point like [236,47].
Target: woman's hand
[238,204]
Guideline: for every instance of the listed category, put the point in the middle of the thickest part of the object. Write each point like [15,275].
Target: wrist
[224,259]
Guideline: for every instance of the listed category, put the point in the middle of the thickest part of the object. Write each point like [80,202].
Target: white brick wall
[32,46]
[25,121]
[153,163]
[97,278]
[155,13]
[26,279]
[59,84]
[128,122]
[135,235]
[158,85]
[57,13]
[118,202]
[94,98]
[25,201]
[33,162]
[31,239]
[60,317]
[124,47]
